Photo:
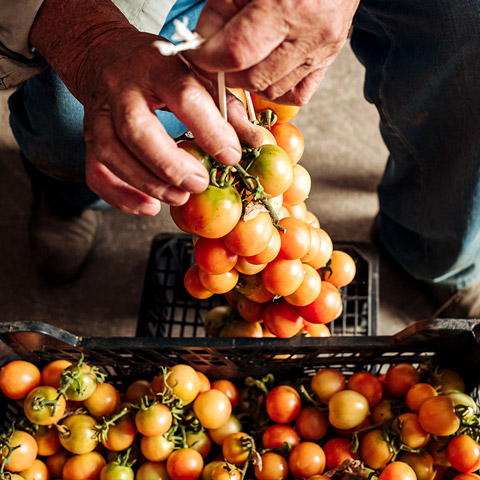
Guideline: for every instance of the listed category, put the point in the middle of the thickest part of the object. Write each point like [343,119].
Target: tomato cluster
[256,241]
[404,424]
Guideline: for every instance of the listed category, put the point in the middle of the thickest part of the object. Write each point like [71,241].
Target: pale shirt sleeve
[18,61]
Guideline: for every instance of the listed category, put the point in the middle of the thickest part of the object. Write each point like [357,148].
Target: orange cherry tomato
[284,113]
[18,378]
[300,186]
[289,137]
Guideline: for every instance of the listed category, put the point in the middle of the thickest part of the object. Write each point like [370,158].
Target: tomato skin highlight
[18,377]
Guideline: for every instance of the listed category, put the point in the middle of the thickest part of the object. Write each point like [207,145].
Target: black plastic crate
[450,343]
[168,310]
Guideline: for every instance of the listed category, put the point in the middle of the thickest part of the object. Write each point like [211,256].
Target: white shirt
[16,19]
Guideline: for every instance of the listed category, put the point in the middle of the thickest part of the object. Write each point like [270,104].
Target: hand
[121,79]
[279,49]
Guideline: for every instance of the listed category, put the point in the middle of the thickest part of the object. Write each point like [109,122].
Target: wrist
[79,39]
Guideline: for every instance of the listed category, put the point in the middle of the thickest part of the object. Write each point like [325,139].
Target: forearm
[79,38]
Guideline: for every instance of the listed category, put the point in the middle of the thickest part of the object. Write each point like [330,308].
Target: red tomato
[422,464]
[417,394]
[185,464]
[467,476]
[411,432]
[311,423]
[222,283]
[375,451]
[315,329]
[86,466]
[269,252]
[228,388]
[308,290]
[36,471]
[324,250]
[397,471]
[213,256]
[337,450]
[463,453]
[156,419]
[212,213]
[437,416]
[104,401]
[18,378]
[232,425]
[326,307]
[120,435]
[251,236]
[274,467]
[400,377]
[156,449]
[277,435]
[250,311]
[52,371]
[368,385]
[192,283]
[236,448]
[247,268]
[47,440]
[282,319]
[283,404]
[306,459]
[289,137]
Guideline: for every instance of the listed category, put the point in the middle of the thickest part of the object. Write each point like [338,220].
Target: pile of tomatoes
[256,241]
[407,423]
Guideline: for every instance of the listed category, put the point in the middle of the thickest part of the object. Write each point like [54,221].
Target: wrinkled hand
[132,163]
[121,79]
[279,49]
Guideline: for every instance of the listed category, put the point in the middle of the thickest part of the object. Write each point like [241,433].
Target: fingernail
[228,155]
[195,183]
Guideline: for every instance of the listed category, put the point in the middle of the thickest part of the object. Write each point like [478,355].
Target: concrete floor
[343,153]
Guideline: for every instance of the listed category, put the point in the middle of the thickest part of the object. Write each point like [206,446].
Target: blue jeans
[423,74]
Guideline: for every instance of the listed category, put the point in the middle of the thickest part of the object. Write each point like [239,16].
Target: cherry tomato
[252,287]
[274,467]
[273,168]
[385,411]
[282,277]
[44,406]
[78,434]
[236,448]
[228,388]
[104,401]
[284,113]
[156,449]
[120,435]
[314,246]
[400,377]
[241,328]
[375,451]
[326,382]
[299,188]
[222,283]
[463,453]
[269,252]
[18,378]
[315,329]
[417,394]
[268,137]
[466,402]
[312,219]
[212,213]
[295,240]
[397,471]
[326,307]
[368,385]
[225,472]
[199,441]
[213,256]
[467,476]
[86,466]
[342,269]
[152,471]
[308,290]
[277,435]
[185,464]
[248,310]
[250,236]
[324,250]
[283,404]
[437,416]
[183,380]
[137,390]
[347,409]
[306,459]
[212,408]
[24,450]
[36,471]
[116,471]
[337,450]
[311,423]
[79,381]
[52,371]
[247,268]
[448,380]
[153,420]
[204,382]
[47,440]
[289,137]
[411,432]
[232,425]
[282,319]
[193,148]
[56,462]
[422,464]
[193,285]
[298,211]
